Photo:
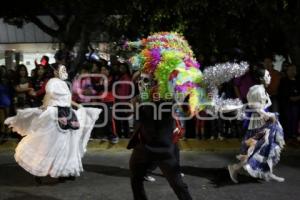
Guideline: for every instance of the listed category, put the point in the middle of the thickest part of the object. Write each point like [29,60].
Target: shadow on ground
[18,195]
[218,177]
[14,175]
[107,170]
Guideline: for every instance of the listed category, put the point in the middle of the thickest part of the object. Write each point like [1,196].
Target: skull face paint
[62,72]
[267,78]
[145,84]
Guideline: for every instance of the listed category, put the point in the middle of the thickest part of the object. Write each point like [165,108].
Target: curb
[184,145]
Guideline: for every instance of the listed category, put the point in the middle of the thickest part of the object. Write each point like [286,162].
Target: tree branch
[56,19]
[42,26]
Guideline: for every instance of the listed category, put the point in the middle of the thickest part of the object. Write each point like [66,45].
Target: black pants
[107,129]
[140,161]
[154,165]
[122,126]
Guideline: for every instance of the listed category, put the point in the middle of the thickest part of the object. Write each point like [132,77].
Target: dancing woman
[55,135]
[263,142]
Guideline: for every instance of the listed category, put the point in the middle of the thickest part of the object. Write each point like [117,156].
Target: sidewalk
[184,144]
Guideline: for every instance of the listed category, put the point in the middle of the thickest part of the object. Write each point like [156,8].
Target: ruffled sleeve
[57,93]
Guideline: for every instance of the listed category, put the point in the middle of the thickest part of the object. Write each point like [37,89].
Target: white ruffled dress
[46,149]
[263,142]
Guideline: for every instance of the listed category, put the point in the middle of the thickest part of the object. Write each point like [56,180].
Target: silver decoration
[223,72]
[213,76]
[221,105]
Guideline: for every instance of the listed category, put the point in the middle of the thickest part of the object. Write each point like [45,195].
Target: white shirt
[57,93]
[258,101]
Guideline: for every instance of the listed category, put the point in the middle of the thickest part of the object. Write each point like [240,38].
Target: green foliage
[211,26]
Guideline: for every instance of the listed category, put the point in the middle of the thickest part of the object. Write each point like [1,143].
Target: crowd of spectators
[95,85]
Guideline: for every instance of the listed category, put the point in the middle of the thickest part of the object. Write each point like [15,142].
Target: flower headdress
[168,57]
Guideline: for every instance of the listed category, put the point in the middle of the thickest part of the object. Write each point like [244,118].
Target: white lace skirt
[46,149]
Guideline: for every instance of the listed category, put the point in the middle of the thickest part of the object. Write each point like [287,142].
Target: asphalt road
[106,177]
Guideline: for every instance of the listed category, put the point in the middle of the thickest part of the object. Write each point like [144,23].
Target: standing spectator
[216,126]
[289,91]
[22,88]
[115,70]
[33,74]
[95,101]
[230,127]
[48,71]
[243,83]
[38,84]
[61,57]
[5,101]
[103,87]
[82,87]
[272,89]
[200,126]
[123,91]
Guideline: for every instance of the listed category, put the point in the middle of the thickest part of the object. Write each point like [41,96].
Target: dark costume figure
[169,74]
[156,145]
[154,142]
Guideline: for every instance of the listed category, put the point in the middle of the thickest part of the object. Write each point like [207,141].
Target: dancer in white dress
[53,145]
[264,139]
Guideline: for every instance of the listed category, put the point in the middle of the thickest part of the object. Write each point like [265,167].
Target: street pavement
[106,177]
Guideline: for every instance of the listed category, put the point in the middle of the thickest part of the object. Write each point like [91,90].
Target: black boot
[38,180]
[3,138]
[71,178]
[62,179]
